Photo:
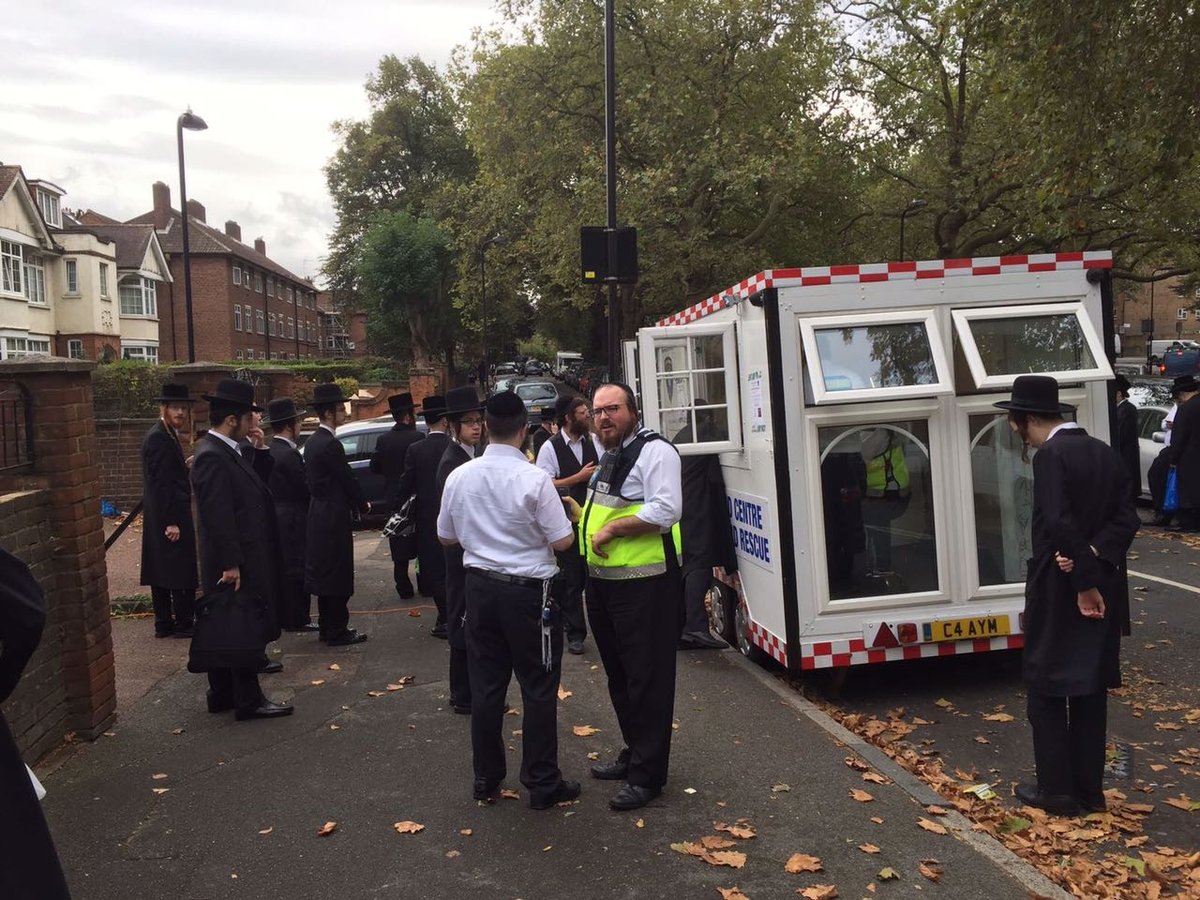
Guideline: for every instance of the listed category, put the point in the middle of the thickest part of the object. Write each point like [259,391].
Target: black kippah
[505,405]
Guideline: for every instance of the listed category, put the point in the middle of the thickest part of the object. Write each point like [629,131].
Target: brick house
[244,304]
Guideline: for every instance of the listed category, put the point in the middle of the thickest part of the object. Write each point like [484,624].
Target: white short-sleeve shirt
[505,513]
[657,477]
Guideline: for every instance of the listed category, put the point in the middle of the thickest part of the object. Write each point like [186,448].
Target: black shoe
[164,631]
[1160,521]
[406,590]
[218,704]
[307,627]
[1093,804]
[564,793]
[440,631]
[632,796]
[346,638]
[1055,804]
[461,710]
[613,771]
[575,647]
[274,667]
[183,632]
[701,640]
[485,788]
[267,709]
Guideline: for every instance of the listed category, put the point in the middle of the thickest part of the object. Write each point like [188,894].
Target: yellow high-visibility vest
[890,462]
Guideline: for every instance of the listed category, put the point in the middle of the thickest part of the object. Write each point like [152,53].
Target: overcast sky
[93,90]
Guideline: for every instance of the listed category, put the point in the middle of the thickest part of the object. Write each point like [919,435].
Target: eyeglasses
[610,410]
[473,420]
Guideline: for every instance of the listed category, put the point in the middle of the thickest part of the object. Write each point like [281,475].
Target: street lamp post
[487,370]
[191,122]
[913,206]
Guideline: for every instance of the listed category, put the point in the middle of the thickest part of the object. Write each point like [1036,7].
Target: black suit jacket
[335,499]
[420,478]
[1125,442]
[452,457]
[166,500]
[388,461]
[289,488]
[1184,452]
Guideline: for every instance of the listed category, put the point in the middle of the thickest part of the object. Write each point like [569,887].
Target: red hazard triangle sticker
[885,637]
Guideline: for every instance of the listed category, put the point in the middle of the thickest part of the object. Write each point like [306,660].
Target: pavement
[179,803]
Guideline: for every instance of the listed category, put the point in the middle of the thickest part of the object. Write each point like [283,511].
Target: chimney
[260,245]
[233,229]
[196,210]
[162,205]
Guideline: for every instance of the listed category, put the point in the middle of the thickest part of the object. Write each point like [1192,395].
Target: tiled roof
[8,174]
[91,217]
[131,240]
[203,238]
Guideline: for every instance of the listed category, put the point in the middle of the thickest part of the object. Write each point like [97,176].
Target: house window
[72,270]
[262,321]
[291,328]
[140,352]
[16,347]
[291,294]
[237,354]
[1181,313]
[75,348]
[237,275]
[270,287]
[103,279]
[271,324]
[237,317]
[258,282]
[10,267]
[138,296]
[49,205]
[35,280]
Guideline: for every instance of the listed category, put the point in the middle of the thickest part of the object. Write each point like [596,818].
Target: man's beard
[577,430]
[612,440]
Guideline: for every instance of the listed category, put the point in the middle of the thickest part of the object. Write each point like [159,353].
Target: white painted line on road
[1174,584]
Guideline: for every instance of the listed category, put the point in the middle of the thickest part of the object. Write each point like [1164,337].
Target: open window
[1056,339]
[689,386]
[880,356]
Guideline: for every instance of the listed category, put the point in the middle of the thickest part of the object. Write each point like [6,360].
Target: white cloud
[94,91]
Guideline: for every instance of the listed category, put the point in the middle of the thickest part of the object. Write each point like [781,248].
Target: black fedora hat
[433,408]
[327,394]
[548,414]
[235,393]
[399,404]
[172,392]
[282,409]
[1184,384]
[463,400]
[505,405]
[1122,383]
[1036,394]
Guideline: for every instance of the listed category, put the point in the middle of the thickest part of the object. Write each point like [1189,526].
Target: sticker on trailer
[758,420]
[751,519]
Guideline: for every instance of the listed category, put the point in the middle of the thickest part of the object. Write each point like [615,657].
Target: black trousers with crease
[568,590]
[172,608]
[1069,743]
[456,612]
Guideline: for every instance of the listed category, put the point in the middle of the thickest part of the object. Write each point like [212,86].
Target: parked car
[1160,348]
[535,368]
[1180,360]
[537,395]
[1150,440]
[505,369]
[505,384]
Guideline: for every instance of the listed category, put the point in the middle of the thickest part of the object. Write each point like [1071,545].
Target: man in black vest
[168,538]
[550,418]
[420,478]
[388,461]
[289,487]
[569,458]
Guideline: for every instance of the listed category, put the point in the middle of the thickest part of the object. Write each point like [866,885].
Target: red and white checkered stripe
[854,652]
[894,271]
[768,643]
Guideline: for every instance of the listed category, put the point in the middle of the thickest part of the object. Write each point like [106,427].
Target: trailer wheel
[722,611]
[742,633]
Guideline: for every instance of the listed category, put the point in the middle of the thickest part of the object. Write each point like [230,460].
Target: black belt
[521,580]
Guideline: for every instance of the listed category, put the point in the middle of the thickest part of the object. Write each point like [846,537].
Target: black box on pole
[593,255]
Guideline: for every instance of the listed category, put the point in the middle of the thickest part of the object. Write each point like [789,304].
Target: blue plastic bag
[1171,497]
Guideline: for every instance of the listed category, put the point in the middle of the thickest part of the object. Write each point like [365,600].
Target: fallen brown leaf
[713,842]
[453,854]
[688,848]
[818,892]
[740,830]
[935,810]
[855,763]
[509,794]
[407,827]
[868,848]
[375,693]
[999,717]
[317,682]
[732,858]
[267,830]
[801,862]
[640,823]
[931,869]
[160,791]
[861,796]
[159,776]
[878,820]
[935,827]
[876,778]
[334,667]
[414,614]
[465,832]
[327,829]
[395,686]
[888,874]
[563,693]
[732,893]
[584,730]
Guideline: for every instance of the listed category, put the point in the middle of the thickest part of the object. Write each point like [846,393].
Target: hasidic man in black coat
[238,542]
[388,461]
[464,410]
[1184,452]
[335,500]
[289,488]
[546,429]
[29,867]
[1076,597]
[420,478]
[1125,441]
[168,537]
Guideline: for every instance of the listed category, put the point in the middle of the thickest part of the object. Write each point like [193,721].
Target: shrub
[128,389]
[348,385]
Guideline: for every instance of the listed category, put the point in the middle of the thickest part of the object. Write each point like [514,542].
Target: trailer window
[1003,489]
[877,500]
[998,344]
[874,357]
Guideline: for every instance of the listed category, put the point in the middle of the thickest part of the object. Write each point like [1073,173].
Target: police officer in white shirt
[569,458]
[509,520]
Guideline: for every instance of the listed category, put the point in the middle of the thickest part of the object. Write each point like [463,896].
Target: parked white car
[1150,439]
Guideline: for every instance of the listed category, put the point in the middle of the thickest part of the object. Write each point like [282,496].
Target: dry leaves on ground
[714,842]
[868,848]
[327,829]
[876,778]
[802,862]
[159,776]
[563,693]
[888,874]
[819,892]
[861,796]
[584,730]
[732,893]
[267,830]
[741,829]
[334,667]
[935,827]
[931,869]
[509,794]
[160,791]
[375,693]
[999,717]
[407,827]
[465,832]
[732,858]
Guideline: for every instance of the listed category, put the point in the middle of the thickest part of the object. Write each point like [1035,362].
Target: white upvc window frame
[74,348]
[50,208]
[963,318]
[651,410]
[260,320]
[19,345]
[34,272]
[104,281]
[140,351]
[12,268]
[237,317]
[822,396]
[237,276]
[148,292]
[71,276]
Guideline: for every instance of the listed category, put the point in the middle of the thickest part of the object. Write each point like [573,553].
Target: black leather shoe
[575,647]
[164,631]
[632,796]
[440,631]
[1055,804]
[1093,804]
[346,638]
[268,709]
[613,771]
[564,793]
[218,704]
[701,640]
[485,788]
[274,667]
[301,629]
[461,710]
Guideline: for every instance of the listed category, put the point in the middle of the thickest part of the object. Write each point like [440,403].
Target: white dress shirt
[228,441]
[1065,426]
[547,459]
[505,513]
[657,477]
[1168,423]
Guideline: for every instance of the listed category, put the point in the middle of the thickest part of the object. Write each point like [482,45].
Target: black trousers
[402,554]
[172,608]
[294,603]
[456,612]
[431,575]
[696,584]
[1068,743]
[237,686]
[333,615]
[504,636]
[635,624]
[1156,478]
[568,590]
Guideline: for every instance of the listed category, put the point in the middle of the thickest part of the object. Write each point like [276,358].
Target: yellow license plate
[967,629]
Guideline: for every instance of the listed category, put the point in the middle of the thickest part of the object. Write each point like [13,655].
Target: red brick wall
[118,447]
[93,345]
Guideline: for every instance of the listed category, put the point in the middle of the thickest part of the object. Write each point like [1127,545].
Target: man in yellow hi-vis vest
[887,495]
[629,537]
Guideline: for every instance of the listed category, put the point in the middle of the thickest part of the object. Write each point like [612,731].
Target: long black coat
[1081,500]
[29,867]
[289,488]
[705,530]
[236,517]
[420,478]
[388,461]
[1184,452]
[335,498]
[166,500]
[456,576]
[1125,442]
